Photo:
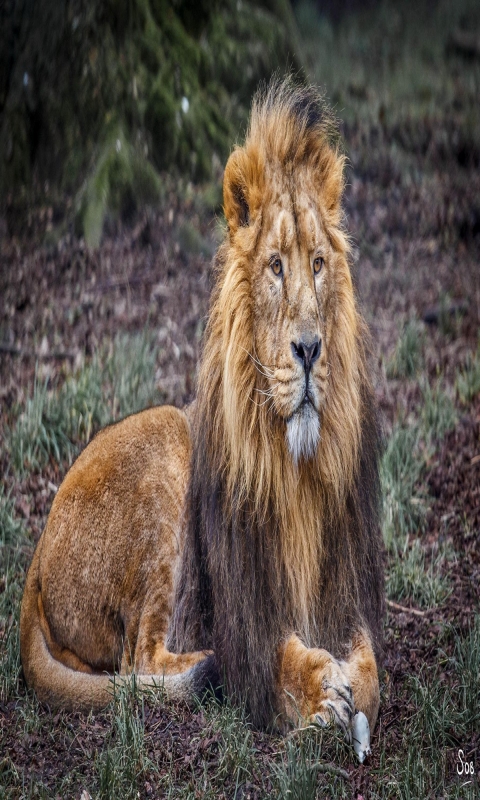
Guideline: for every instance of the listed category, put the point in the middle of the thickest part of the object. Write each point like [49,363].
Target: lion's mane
[273,547]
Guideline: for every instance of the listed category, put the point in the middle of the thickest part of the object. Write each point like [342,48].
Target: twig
[432,316]
[342,773]
[132,280]
[296,731]
[19,351]
[416,611]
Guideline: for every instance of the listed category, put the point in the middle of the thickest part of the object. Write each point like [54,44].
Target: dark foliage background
[175,76]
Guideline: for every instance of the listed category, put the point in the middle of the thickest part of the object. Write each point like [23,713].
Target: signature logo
[464,767]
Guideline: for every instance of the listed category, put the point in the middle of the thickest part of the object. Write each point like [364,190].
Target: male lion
[248,525]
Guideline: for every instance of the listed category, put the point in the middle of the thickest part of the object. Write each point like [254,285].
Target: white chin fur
[303,433]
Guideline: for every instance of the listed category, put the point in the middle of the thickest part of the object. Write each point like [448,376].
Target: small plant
[235,751]
[465,659]
[12,538]
[39,433]
[410,576]
[12,530]
[125,759]
[447,316]
[298,776]
[11,586]
[400,470]
[468,378]
[438,415]
[129,374]
[122,179]
[408,356]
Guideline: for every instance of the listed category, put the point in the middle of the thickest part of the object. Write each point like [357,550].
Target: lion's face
[286,296]
[292,303]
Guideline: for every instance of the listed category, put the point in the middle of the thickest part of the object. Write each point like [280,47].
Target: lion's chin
[303,432]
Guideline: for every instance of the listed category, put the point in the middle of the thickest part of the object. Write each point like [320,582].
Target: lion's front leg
[315,686]
[361,670]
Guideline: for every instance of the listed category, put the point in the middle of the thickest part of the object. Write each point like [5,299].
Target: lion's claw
[361,736]
[337,704]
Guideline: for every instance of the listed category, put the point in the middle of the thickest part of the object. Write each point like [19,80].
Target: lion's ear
[235,201]
[333,183]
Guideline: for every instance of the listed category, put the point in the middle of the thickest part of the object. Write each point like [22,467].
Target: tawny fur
[98,596]
[273,546]
[276,551]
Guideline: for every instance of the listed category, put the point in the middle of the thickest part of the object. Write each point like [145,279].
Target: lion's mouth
[303,429]
[306,404]
[307,400]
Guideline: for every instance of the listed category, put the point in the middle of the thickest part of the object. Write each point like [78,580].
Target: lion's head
[283,495]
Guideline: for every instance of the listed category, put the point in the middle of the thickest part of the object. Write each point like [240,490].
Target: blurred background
[116,120]
[99,100]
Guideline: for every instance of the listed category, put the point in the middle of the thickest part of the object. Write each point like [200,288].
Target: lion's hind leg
[60,654]
[181,676]
[150,655]
[163,662]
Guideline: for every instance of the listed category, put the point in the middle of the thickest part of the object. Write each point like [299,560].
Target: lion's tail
[60,686]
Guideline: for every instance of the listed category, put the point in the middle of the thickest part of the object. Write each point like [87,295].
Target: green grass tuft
[12,530]
[122,179]
[400,470]
[13,537]
[468,378]
[408,356]
[414,576]
[124,760]
[55,423]
[438,415]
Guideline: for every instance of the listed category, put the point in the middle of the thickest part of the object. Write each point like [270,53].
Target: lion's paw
[334,701]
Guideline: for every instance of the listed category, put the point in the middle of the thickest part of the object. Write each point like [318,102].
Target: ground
[88,335]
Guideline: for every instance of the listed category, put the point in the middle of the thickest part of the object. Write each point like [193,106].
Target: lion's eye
[276,266]
[318,264]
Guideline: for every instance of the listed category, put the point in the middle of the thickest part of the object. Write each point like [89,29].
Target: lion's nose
[307,353]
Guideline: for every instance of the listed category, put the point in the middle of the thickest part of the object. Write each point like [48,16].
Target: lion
[236,543]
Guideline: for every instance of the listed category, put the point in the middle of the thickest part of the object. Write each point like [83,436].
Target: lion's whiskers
[268,372]
[267,391]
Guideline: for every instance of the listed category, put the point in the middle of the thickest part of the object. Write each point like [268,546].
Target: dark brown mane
[258,527]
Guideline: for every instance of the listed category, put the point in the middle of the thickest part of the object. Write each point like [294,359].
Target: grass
[379,64]
[124,760]
[11,528]
[400,470]
[408,356]
[468,378]
[438,414]
[414,576]
[13,538]
[54,424]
